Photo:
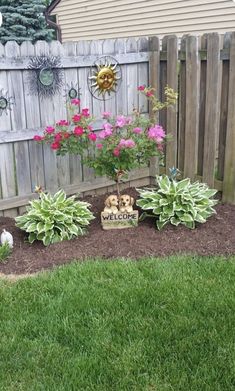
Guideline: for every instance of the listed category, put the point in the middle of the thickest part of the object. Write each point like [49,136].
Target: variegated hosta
[177,203]
[54,218]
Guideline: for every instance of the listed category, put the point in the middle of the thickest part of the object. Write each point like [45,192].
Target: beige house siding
[98,19]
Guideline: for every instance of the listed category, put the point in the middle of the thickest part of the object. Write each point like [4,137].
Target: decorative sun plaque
[49,75]
[5,102]
[104,78]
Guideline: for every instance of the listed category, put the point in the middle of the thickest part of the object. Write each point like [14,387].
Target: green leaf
[175,221]
[46,240]
[161,224]
[32,237]
[163,183]
[182,185]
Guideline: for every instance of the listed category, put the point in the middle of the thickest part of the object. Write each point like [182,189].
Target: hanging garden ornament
[104,78]
[49,75]
[5,102]
[72,91]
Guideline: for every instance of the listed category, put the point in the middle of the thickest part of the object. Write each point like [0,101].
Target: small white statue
[6,237]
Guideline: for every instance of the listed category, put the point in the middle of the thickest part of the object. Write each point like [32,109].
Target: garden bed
[216,237]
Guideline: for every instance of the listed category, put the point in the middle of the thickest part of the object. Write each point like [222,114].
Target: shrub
[124,143]
[55,218]
[177,203]
[5,251]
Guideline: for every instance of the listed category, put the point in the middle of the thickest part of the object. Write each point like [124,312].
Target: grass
[154,325]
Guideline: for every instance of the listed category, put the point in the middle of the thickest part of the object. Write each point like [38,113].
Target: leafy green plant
[5,251]
[177,203]
[55,218]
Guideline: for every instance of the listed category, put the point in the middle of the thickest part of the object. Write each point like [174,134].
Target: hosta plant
[177,203]
[53,218]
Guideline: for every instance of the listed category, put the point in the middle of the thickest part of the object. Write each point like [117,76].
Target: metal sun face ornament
[104,78]
[5,102]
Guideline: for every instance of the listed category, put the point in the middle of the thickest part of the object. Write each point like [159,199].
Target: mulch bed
[215,237]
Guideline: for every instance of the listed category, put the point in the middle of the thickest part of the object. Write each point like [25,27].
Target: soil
[215,237]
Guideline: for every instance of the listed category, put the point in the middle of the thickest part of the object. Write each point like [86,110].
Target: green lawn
[154,325]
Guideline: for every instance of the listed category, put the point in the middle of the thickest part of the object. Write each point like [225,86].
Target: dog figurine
[111,204]
[126,203]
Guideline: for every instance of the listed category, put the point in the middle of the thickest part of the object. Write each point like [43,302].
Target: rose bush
[123,143]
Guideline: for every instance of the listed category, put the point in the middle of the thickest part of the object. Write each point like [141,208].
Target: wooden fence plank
[143,75]
[132,77]
[191,116]
[121,101]
[182,109]
[85,47]
[71,79]
[47,118]
[202,106]
[212,108]
[229,164]
[63,169]
[154,82]
[171,116]
[223,110]
[109,49]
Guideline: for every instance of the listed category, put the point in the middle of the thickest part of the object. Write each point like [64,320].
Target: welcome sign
[119,220]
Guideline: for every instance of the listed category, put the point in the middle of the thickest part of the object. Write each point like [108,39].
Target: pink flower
[157,133]
[108,127]
[137,130]
[121,121]
[77,118]
[62,122]
[90,128]
[129,143]
[58,137]
[66,135]
[106,114]
[55,145]
[141,88]
[99,146]
[149,93]
[92,136]
[116,152]
[38,138]
[78,131]
[75,102]
[49,129]
[85,112]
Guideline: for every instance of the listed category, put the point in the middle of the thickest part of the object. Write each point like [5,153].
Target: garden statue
[6,237]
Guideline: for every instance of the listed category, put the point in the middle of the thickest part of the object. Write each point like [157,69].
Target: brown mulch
[215,237]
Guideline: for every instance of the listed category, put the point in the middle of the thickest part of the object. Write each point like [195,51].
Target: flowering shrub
[123,143]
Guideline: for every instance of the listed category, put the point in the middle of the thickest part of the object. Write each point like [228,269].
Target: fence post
[229,163]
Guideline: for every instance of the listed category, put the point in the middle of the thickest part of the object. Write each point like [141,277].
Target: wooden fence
[202,125]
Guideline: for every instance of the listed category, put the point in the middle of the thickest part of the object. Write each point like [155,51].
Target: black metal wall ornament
[104,78]
[49,76]
[6,102]
[72,91]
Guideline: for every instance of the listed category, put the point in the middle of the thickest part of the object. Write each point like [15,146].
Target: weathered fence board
[229,164]
[202,123]
[192,101]
[211,108]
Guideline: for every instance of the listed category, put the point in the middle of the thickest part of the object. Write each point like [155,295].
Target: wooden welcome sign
[119,213]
